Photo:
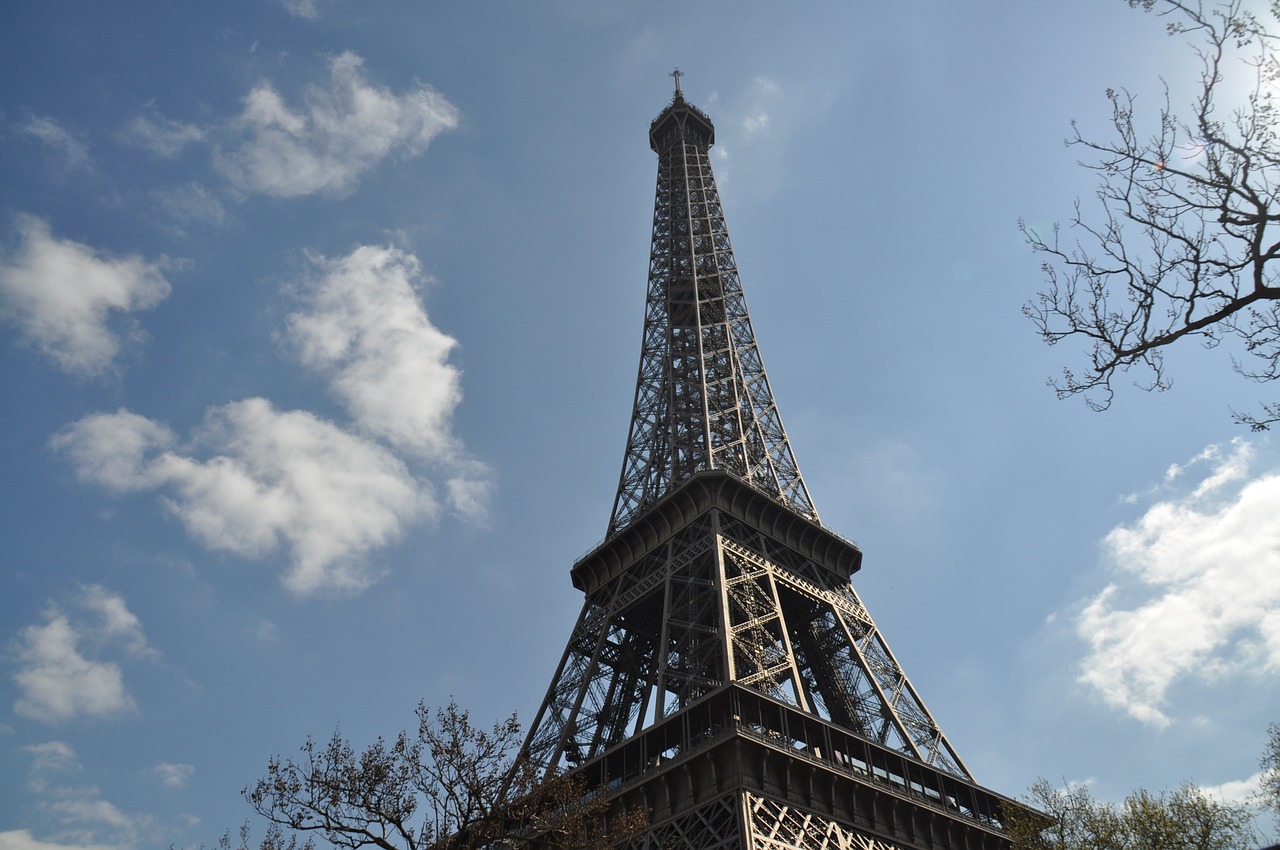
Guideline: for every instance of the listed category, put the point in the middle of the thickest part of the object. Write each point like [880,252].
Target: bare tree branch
[448,785]
[1183,240]
[1269,786]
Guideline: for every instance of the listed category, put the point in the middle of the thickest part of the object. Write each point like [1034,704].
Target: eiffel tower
[723,674]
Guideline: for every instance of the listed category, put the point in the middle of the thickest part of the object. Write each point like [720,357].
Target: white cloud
[85,819]
[65,296]
[162,136]
[52,756]
[302,8]
[755,122]
[69,151]
[337,134]
[22,839]
[58,683]
[86,810]
[363,327]
[174,775]
[189,203]
[1197,594]
[81,818]
[118,622]
[1238,792]
[469,492]
[762,95]
[255,478]
[114,450]
[759,112]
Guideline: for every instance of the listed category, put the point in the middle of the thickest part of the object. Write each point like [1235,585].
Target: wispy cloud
[22,839]
[77,814]
[68,152]
[752,123]
[162,136]
[1196,592]
[71,301]
[188,203]
[92,812]
[253,479]
[761,98]
[338,133]
[117,622]
[174,775]
[58,682]
[52,756]
[307,9]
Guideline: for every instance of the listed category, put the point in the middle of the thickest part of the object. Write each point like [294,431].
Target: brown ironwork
[702,398]
[723,674]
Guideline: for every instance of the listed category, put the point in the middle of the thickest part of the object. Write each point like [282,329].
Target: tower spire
[702,398]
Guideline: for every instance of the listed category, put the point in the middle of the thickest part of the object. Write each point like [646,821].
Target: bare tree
[1184,242]
[1269,787]
[1071,819]
[449,785]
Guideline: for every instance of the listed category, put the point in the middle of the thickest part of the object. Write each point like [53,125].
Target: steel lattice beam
[719,632]
[702,398]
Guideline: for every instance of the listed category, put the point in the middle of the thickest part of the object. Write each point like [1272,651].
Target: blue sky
[320,327]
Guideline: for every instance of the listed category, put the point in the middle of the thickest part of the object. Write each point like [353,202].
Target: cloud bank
[253,479]
[1197,589]
[72,302]
[337,134]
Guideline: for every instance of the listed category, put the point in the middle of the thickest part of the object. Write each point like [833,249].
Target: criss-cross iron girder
[702,399]
[723,675]
[719,601]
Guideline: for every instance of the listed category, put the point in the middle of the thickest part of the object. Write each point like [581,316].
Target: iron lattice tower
[723,673]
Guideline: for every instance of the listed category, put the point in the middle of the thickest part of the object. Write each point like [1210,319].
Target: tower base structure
[740,770]
[724,678]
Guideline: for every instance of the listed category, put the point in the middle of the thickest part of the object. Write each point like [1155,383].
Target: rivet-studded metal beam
[724,676]
[702,399]
[714,601]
